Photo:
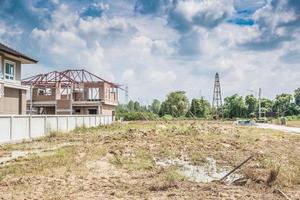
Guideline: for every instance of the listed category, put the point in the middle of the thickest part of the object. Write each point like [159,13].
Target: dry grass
[130,149]
[293,123]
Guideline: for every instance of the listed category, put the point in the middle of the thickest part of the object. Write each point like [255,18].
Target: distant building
[12,93]
[71,92]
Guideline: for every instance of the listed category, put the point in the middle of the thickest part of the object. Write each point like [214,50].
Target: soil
[118,162]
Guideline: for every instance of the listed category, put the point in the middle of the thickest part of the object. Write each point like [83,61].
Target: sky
[158,46]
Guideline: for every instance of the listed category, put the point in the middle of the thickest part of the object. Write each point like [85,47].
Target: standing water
[199,173]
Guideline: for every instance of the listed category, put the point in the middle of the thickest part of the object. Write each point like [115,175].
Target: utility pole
[217,103]
[259,101]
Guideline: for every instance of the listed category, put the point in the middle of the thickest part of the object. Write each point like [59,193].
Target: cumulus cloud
[8,31]
[152,6]
[163,45]
[278,22]
[206,13]
[68,49]
[95,10]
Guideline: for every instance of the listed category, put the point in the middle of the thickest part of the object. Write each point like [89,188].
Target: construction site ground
[133,160]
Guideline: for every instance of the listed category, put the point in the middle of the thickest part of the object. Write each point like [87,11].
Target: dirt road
[279,128]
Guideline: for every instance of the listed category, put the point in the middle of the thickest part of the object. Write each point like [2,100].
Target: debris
[241,181]
[237,167]
[277,191]
[272,177]
[245,123]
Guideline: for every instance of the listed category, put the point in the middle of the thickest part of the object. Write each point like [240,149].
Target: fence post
[45,125]
[10,128]
[67,123]
[29,120]
[76,122]
[57,123]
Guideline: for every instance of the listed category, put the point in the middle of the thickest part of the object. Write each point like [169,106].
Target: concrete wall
[108,110]
[21,127]
[13,102]
[10,103]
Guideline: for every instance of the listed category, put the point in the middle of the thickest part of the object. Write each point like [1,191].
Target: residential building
[12,93]
[71,92]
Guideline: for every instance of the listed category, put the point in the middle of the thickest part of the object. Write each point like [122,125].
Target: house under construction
[71,92]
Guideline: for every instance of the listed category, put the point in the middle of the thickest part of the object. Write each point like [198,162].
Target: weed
[35,164]
[141,160]
[172,176]
[197,158]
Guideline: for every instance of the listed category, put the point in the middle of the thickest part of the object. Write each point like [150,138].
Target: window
[94,94]
[45,92]
[9,70]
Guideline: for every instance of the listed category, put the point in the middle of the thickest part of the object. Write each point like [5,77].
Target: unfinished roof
[24,59]
[66,78]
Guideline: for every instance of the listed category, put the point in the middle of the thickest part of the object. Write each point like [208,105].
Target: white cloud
[211,9]
[146,53]
[271,17]
[8,31]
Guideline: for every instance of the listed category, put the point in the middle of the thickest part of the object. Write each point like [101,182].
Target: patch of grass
[35,164]
[116,159]
[52,134]
[139,161]
[289,170]
[97,151]
[81,129]
[197,157]
[172,176]
[7,147]
[142,160]
[166,152]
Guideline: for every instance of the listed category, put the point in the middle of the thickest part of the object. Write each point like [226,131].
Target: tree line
[177,105]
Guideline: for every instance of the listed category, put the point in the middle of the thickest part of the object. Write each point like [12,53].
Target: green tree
[199,108]
[176,104]
[234,106]
[130,105]
[155,106]
[121,108]
[283,104]
[297,97]
[163,109]
[251,104]
[137,106]
[266,105]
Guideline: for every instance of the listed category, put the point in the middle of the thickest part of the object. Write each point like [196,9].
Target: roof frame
[66,78]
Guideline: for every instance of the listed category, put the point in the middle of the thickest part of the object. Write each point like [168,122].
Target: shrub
[167,117]
[134,116]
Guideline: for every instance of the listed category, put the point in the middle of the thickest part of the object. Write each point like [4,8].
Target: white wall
[19,127]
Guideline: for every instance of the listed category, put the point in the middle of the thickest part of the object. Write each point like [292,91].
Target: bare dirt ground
[119,162]
[293,123]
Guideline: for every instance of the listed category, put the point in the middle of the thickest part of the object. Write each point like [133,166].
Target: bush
[135,116]
[293,117]
[167,117]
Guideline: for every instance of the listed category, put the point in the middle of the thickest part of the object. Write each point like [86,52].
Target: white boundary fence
[15,128]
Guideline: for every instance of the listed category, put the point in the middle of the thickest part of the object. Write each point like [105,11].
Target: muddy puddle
[205,173]
[17,154]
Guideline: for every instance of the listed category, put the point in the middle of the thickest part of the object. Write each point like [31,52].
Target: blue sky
[157,46]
